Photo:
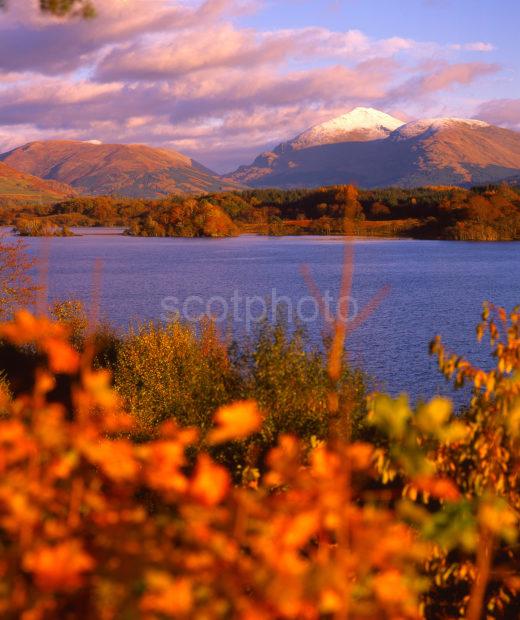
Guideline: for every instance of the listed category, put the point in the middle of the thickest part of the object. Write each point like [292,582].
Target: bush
[172,372]
[95,526]
[17,287]
[288,377]
[169,371]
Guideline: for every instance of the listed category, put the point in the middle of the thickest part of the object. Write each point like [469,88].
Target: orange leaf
[211,482]
[442,488]
[236,421]
[62,357]
[361,455]
[114,457]
[164,462]
[390,587]
[58,568]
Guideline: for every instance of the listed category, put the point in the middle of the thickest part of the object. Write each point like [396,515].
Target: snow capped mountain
[434,125]
[360,124]
[372,149]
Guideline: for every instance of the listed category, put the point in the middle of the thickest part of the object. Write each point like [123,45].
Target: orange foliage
[236,421]
[94,525]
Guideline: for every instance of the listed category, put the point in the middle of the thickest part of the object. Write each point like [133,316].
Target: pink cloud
[31,42]
[505,112]
[436,76]
[167,56]
[188,52]
[456,74]
[187,75]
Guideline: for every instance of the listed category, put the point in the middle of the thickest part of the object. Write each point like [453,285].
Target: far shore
[119,231]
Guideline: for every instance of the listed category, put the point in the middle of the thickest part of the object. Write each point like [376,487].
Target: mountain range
[365,147]
[132,170]
[372,149]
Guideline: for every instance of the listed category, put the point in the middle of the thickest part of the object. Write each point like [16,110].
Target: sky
[224,80]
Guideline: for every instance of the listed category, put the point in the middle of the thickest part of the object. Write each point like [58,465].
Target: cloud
[189,75]
[477,46]
[434,76]
[165,57]
[448,75]
[504,112]
[30,42]
[56,102]
[192,51]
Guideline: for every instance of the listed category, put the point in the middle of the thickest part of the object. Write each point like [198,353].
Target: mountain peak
[358,125]
[371,149]
[434,125]
[361,117]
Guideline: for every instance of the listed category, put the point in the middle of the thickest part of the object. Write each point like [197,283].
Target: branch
[63,8]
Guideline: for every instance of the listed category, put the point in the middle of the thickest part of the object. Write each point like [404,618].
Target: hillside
[16,186]
[130,170]
[447,151]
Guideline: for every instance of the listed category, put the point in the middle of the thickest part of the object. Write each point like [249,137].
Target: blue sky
[443,21]
[447,21]
[224,80]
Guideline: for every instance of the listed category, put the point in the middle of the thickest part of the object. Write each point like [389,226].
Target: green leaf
[391,416]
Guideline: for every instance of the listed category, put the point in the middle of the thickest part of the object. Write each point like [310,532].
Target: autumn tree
[347,197]
[379,211]
[17,288]
[481,210]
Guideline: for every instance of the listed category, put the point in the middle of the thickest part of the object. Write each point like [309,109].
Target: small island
[40,227]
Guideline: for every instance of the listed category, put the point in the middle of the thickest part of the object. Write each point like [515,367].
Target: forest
[489,213]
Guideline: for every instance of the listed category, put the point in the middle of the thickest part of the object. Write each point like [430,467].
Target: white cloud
[477,46]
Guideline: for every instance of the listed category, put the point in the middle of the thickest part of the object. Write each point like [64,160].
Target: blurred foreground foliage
[208,483]
[167,473]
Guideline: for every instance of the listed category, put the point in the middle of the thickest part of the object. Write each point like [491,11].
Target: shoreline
[118,231]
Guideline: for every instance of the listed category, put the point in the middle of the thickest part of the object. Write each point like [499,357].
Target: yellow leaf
[166,596]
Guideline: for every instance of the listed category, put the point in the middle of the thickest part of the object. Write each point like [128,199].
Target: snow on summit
[432,125]
[360,124]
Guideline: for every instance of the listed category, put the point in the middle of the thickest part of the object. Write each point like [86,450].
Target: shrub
[423,524]
[168,371]
[173,372]
[93,525]
[17,287]
[288,377]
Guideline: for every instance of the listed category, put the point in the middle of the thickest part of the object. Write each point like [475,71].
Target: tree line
[480,214]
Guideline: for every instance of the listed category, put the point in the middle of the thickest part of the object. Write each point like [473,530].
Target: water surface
[437,287]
